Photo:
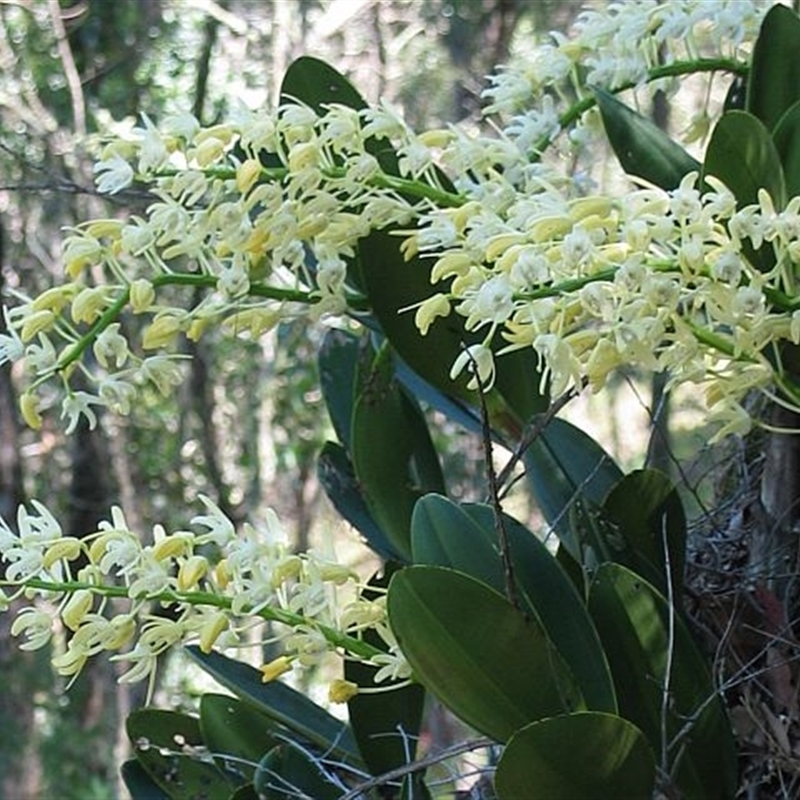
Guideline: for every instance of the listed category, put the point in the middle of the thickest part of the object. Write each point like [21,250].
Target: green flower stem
[673,70]
[381,180]
[111,314]
[106,318]
[571,285]
[349,644]
[707,337]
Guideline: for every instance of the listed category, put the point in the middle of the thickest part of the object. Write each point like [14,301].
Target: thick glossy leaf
[645,509]
[385,725]
[634,622]
[288,772]
[287,707]
[643,149]
[139,784]
[465,538]
[786,136]
[743,156]
[338,478]
[492,666]
[237,733]
[393,456]
[393,284]
[336,362]
[165,745]
[316,84]
[774,83]
[570,476]
[582,756]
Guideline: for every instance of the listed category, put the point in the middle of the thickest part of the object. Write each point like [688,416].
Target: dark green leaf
[634,622]
[645,509]
[336,362]
[466,539]
[167,746]
[570,476]
[288,772]
[236,732]
[394,459]
[774,83]
[316,84]
[582,756]
[393,284]
[287,707]
[742,155]
[139,784]
[643,149]
[338,479]
[481,657]
[786,136]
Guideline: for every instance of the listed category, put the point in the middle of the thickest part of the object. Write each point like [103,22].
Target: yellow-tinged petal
[222,574]
[123,628]
[191,572]
[161,332]
[547,228]
[170,546]
[451,264]
[197,328]
[55,298]
[36,323]
[498,245]
[67,548]
[76,609]
[104,227]
[142,294]
[341,691]
[584,207]
[431,309]
[275,668]
[212,630]
[440,137]
[29,406]
[247,174]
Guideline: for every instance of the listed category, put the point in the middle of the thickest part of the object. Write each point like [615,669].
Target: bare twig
[532,432]
[494,496]
[417,766]
[70,70]
[666,689]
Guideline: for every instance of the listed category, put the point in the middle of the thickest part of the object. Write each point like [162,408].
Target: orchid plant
[486,276]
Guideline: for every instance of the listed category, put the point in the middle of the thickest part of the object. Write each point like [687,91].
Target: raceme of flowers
[265,215]
[111,593]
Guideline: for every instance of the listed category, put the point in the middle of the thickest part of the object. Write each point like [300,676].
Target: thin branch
[532,432]
[417,766]
[70,70]
[666,689]
[494,486]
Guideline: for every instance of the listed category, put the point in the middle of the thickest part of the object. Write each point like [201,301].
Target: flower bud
[142,295]
[191,571]
[76,609]
[341,691]
[275,668]
[65,549]
[211,631]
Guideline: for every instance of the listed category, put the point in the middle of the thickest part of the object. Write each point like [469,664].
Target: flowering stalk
[217,583]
